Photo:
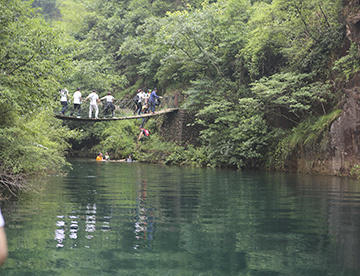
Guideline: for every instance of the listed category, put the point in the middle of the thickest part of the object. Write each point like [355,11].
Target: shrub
[34,145]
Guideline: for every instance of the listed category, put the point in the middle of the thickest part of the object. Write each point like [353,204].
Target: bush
[355,171]
[191,156]
[118,138]
[154,150]
[33,145]
[306,135]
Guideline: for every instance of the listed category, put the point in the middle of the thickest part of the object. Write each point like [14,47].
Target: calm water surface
[108,218]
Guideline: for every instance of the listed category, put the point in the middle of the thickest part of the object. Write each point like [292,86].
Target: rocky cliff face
[343,140]
[344,135]
[352,20]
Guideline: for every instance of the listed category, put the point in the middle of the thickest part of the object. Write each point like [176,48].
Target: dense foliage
[33,62]
[251,70]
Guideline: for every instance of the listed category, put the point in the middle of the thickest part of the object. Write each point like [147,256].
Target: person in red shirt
[144,134]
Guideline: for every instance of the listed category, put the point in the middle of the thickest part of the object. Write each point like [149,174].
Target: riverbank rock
[345,134]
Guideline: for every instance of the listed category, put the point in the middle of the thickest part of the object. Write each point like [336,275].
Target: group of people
[146,102]
[94,101]
[100,157]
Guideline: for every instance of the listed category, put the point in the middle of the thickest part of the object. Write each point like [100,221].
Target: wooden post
[176,100]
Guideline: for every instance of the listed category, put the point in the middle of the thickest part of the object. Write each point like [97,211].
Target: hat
[94,90]
[109,93]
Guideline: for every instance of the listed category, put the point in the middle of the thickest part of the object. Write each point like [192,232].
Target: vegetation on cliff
[251,70]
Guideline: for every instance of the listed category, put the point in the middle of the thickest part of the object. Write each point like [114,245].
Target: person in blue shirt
[152,99]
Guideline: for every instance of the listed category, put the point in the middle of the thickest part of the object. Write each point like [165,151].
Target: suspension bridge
[145,115]
[126,108]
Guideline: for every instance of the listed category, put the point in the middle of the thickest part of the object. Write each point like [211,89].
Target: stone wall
[175,127]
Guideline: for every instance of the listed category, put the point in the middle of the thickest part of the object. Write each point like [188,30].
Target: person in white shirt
[94,99]
[3,241]
[143,97]
[140,98]
[64,95]
[109,104]
[77,101]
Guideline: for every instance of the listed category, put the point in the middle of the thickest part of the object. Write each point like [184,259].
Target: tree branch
[26,61]
[307,29]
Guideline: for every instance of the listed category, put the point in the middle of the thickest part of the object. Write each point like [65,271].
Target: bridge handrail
[166,102]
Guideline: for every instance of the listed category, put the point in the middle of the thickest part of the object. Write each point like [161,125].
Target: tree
[32,65]
[32,61]
[196,44]
[234,136]
[49,9]
[293,96]
[300,35]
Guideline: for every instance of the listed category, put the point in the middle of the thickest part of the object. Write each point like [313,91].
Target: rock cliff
[343,140]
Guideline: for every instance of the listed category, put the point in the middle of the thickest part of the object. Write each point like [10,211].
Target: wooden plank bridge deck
[158,112]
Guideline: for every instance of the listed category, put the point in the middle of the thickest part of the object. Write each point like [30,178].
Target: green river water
[107,218]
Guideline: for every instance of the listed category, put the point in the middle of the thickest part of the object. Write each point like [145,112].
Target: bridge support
[174,127]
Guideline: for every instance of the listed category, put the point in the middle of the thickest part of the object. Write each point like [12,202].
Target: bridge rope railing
[165,102]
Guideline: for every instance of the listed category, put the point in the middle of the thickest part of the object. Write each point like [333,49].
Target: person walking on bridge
[137,101]
[109,105]
[152,100]
[94,99]
[77,101]
[64,96]
[140,98]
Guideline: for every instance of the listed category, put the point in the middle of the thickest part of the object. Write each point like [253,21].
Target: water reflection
[144,219]
[344,221]
[82,221]
[72,228]
[60,232]
[138,219]
[90,220]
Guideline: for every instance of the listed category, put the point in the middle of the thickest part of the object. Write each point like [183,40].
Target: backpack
[136,98]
